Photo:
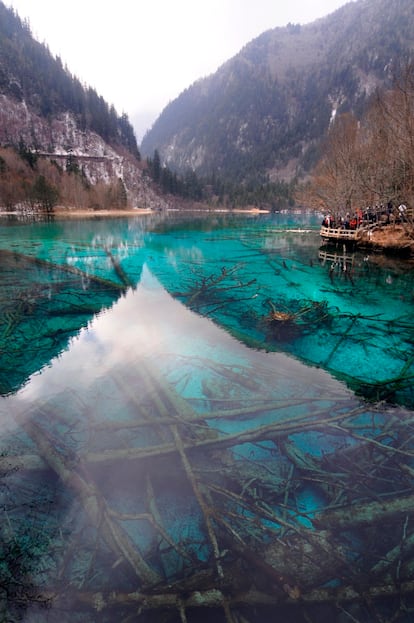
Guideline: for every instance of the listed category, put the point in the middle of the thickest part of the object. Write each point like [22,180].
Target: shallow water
[203,418]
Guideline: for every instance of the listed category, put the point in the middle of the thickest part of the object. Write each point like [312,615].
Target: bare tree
[376,163]
[394,111]
[371,162]
[335,183]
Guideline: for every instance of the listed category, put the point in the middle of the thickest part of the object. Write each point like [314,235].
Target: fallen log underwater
[261,542]
[7,256]
[214,597]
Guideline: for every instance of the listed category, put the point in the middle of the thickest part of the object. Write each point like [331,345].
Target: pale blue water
[159,426]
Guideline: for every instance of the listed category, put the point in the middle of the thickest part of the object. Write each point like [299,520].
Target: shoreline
[63,212]
[395,242]
[86,212]
[392,240]
[79,212]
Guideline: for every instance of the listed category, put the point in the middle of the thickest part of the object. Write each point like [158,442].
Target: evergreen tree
[29,72]
[156,166]
[44,193]
[26,154]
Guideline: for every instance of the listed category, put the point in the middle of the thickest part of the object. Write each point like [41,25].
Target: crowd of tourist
[371,215]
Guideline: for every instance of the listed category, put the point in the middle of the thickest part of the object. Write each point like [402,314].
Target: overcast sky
[141,54]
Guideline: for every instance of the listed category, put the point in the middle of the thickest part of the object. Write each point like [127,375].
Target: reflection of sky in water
[148,322]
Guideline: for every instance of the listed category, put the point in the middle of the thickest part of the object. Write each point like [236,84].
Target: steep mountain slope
[46,109]
[263,114]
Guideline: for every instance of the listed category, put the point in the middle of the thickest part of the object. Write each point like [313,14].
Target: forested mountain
[261,117]
[29,73]
[60,142]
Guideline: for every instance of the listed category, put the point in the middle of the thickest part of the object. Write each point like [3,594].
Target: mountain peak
[264,113]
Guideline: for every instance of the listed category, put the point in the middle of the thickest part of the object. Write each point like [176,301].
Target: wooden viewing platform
[339,233]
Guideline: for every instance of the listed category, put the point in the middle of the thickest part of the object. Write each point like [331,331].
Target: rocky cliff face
[59,138]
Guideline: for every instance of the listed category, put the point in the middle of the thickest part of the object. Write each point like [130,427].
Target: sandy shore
[85,212]
[68,212]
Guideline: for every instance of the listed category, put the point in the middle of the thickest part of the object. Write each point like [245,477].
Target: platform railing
[339,232]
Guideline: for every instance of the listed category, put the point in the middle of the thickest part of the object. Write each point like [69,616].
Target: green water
[211,404]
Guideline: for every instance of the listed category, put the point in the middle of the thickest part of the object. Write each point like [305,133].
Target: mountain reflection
[41,308]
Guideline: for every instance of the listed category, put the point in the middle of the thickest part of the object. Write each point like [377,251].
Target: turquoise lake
[204,418]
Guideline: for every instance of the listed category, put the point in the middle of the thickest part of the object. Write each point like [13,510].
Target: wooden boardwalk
[339,233]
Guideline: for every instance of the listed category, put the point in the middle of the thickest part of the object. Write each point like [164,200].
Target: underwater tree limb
[213,597]
[273,431]
[341,340]
[365,514]
[121,274]
[65,268]
[228,372]
[94,504]
[200,499]
[393,557]
[266,432]
[157,521]
[169,403]
[208,284]
[217,414]
[367,440]
[311,556]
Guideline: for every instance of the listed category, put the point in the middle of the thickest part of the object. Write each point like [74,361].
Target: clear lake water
[204,418]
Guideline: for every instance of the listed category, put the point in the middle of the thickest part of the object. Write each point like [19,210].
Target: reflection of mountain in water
[347,314]
[41,307]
